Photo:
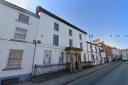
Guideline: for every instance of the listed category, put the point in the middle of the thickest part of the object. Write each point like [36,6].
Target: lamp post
[35,42]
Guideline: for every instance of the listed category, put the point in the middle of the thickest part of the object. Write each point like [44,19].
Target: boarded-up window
[15,58]
[47,57]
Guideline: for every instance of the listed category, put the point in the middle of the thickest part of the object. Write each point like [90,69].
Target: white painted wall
[8,24]
[46,32]
[97,56]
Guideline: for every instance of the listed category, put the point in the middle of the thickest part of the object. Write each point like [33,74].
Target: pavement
[113,75]
[71,78]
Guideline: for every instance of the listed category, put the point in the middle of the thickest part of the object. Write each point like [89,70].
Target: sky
[104,19]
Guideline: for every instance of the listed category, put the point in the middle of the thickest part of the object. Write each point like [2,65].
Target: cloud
[21,3]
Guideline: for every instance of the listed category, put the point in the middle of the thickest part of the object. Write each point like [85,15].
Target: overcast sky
[101,18]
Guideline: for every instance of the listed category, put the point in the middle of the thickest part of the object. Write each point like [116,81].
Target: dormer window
[23,18]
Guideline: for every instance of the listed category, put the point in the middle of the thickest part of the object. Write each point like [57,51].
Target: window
[70,32]
[47,57]
[81,45]
[80,36]
[70,43]
[84,57]
[55,40]
[20,34]
[23,18]
[91,48]
[56,27]
[61,58]
[15,58]
[92,56]
[96,49]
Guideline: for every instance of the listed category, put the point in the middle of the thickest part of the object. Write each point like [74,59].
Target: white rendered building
[28,39]
[94,53]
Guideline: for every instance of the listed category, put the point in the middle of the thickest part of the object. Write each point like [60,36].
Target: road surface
[112,75]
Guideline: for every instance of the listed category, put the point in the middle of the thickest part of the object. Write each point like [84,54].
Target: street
[113,75]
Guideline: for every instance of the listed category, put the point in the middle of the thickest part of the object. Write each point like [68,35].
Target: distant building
[95,53]
[124,54]
[107,49]
[116,54]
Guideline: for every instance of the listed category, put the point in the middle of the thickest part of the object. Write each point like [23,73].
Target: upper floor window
[91,47]
[70,32]
[15,58]
[81,45]
[84,57]
[80,36]
[70,43]
[23,18]
[20,34]
[96,49]
[55,40]
[56,26]
[92,57]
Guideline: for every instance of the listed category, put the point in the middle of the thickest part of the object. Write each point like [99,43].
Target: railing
[47,69]
[54,68]
[86,64]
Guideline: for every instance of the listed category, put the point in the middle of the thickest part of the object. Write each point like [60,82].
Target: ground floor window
[84,57]
[47,57]
[15,58]
[93,59]
[61,58]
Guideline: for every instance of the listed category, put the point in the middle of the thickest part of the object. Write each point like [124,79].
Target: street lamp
[35,42]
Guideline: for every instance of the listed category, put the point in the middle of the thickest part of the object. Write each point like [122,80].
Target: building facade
[107,49]
[95,53]
[61,42]
[116,54]
[18,28]
[29,40]
[124,54]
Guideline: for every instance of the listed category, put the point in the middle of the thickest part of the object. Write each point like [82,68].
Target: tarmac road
[112,75]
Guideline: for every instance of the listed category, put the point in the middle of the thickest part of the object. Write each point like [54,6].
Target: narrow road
[112,75]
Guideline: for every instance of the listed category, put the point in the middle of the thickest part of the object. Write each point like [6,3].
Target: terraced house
[37,43]
[95,54]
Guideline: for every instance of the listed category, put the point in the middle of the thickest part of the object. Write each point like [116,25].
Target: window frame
[23,18]
[56,26]
[56,40]
[80,36]
[70,32]
[48,57]
[12,57]
[20,35]
[70,43]
[61,58]
[81,45]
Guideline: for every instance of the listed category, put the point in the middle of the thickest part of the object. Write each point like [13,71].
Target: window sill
[18,40]
[13,68]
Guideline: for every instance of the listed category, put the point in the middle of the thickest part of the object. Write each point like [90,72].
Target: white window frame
[47,57]
[20,35]
[23,18]
[61,58]
[15,57]
[56,26]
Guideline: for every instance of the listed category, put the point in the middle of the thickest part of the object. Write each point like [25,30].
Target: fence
[47,69]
